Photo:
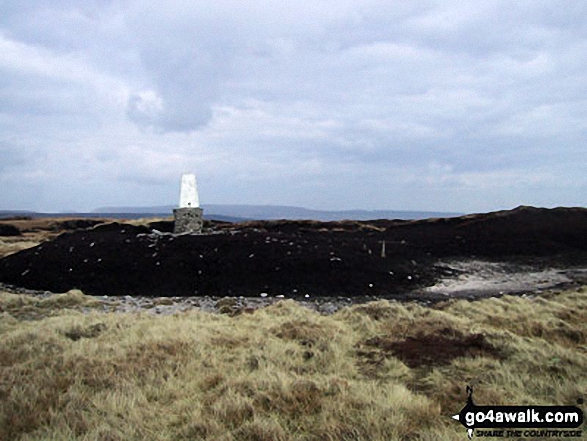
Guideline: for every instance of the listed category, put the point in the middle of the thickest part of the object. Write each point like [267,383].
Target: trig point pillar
[188,217]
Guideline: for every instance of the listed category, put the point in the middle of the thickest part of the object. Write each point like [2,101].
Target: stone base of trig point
[188,220]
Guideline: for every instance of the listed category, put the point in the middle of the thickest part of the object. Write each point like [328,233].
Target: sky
[461,106]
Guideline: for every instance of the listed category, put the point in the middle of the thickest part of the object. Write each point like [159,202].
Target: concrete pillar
[188,196]
[188,220]
[189,216]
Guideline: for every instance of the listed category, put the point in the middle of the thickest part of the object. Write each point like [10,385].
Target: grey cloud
[350,97]
[186,57]
[10,156]
[62,25]
[186,85]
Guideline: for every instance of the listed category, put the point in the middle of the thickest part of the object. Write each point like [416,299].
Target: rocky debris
[476,277]
[296,259]
[167,226]
[225,305]
[175,305]
[238,305]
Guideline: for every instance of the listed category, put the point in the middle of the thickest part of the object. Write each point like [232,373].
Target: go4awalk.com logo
[520,421]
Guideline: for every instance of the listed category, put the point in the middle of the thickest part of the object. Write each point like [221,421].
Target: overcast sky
[464,106]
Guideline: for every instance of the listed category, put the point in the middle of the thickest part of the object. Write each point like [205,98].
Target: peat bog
[380,258]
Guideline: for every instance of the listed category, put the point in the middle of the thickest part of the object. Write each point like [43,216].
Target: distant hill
[8,213]
[272,212]
[121,214]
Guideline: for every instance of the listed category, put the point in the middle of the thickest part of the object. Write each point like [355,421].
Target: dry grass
[280,373]
[26,307]
[9,245]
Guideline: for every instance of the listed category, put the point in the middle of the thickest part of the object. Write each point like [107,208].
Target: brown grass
[280,373]
[11,245]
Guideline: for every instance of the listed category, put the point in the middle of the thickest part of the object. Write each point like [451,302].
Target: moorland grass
[279,373]
[10,245]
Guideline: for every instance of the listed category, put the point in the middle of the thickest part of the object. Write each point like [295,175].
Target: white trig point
[188,217]
[188,197]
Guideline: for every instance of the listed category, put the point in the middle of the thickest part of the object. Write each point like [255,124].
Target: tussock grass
[280,373]
[28,307]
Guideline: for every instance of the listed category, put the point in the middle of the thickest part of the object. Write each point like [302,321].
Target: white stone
[189,192]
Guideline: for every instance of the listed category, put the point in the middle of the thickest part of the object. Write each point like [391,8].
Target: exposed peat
[381,258]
